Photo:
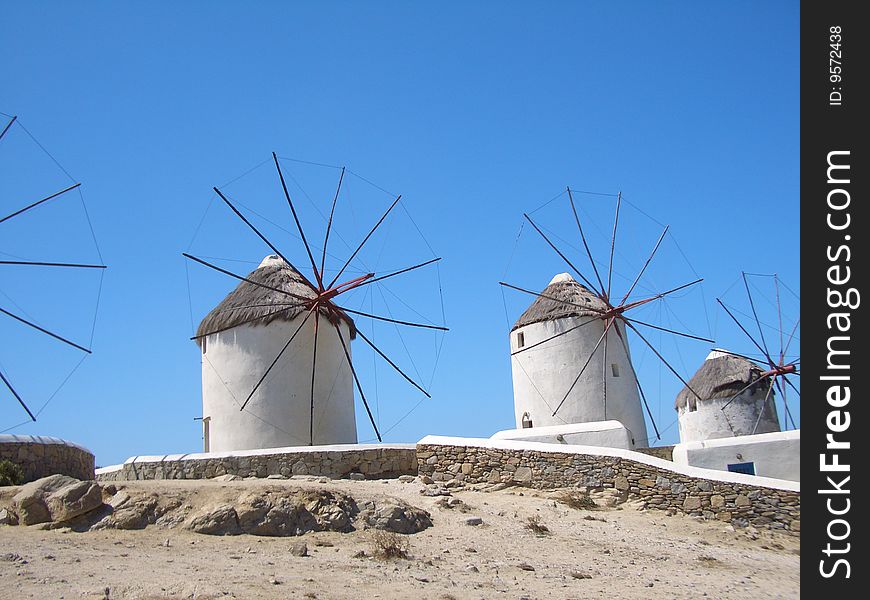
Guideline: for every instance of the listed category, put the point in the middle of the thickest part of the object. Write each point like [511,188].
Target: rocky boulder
[73,500]
[56,498]
[395,516]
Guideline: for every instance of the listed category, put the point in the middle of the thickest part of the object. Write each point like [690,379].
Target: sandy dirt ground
[613,553]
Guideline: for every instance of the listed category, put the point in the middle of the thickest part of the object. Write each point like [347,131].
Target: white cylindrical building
[251,326]
[543,374]
[719,414]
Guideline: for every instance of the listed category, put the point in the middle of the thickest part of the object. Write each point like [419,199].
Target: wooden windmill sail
[9,216]
[315,326]
[779,366]
[602,318]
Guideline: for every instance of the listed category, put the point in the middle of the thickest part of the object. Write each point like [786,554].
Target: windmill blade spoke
[277,358]
[791,337]
[600,289]
[632,305]
[559,252]
[743,329]
[792,386]
[240,278]
[38,202]
[645,265]
[399,272]
[329,223]
[639,388]
[613,245]
[583,369]
[17,397]
[755,314]
[779,314]
[545,296]
[379,318]
[743,389]
[313,378]
[604,369]
[317,274]
[28,263]
[553,337]
[5,129]
[43,330]
[391,363]
[358,384]
[251,226]
[362,243]
[761,412]
[788,416]
[674,331]
[662,358]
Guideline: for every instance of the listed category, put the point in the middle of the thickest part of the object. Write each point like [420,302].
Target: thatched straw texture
[560,292]
[255,305]
[722,376]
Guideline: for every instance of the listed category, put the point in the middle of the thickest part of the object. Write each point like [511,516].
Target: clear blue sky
[475,112]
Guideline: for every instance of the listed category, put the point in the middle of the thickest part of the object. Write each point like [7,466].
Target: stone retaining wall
[39,456]
[370,461]
[729,497]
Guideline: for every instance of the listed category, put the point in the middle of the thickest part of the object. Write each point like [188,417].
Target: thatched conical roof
[256,305]
[561,291]
[721,376]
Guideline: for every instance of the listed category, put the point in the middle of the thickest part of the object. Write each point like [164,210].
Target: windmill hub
[783,370]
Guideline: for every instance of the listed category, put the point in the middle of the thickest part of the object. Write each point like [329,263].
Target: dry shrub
[388,545]
[577,500]
[534,525]
[10,473]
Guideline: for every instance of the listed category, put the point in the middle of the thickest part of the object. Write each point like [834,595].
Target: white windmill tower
[240,340]
[548,370]
[570,353]
[276,356]
[736,399]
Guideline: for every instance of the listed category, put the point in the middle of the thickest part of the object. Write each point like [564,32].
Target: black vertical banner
[834,172]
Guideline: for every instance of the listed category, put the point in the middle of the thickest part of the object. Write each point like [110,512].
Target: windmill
[779,366]
[289,349]
[10,310]
[577,374]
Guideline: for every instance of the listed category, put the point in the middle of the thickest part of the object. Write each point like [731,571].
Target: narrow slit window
[521,340]
[204,345]
[614,368]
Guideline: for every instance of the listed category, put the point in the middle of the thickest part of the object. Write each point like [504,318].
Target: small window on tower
[521,340]
[204,345]
[614,368]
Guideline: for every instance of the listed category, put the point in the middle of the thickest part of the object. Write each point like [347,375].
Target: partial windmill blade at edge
[17,397]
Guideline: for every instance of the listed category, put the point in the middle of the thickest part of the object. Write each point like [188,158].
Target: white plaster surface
[610,434]
[278,414]
[543,375]
[6,438]
[691,471]
[775,454]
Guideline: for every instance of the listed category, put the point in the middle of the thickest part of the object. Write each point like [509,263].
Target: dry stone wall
[647,479]
[40,456]
[370,462]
